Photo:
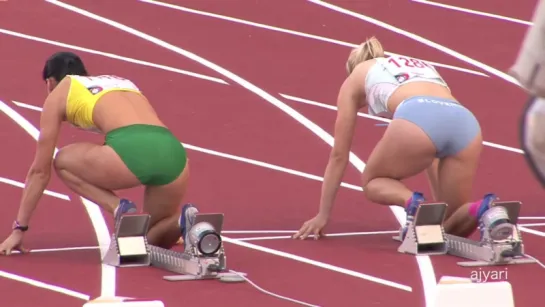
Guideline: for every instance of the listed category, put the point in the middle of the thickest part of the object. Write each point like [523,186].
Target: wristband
[17,226]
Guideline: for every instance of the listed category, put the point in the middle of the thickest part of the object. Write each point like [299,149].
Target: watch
[17,226]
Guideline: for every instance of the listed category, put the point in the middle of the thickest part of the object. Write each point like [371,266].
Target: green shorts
[152,153]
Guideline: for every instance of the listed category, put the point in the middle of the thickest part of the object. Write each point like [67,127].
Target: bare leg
[461,223]
[165,233]
[163,204]
[386,191]
[455,184]
[404,151]
[94,171]
[106,199]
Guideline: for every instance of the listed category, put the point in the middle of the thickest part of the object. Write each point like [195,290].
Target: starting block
[204,257]
[426,236]
[129,245]
[490,252]
[455,292]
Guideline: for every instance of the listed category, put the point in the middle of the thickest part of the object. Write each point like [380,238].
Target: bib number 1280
[400,62]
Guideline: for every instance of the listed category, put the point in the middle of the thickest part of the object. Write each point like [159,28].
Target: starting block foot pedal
[129,246]
[456,293]
[425,235]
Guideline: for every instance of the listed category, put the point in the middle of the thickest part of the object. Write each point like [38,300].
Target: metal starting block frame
[487,252]
[129,247]
[425,235]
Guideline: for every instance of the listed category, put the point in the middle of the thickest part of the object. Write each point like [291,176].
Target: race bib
[97,84]
[405,68]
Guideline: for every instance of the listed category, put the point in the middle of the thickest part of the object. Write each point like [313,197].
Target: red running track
[210,111]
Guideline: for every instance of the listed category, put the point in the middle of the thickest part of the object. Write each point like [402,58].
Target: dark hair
[61,64]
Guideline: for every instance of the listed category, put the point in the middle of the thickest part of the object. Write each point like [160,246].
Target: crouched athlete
[138,150]
[430,131]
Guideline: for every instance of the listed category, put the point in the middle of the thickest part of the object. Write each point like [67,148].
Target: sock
[474,208]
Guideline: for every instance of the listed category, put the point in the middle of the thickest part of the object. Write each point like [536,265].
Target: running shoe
[187,220]
[125,207]
[416,200]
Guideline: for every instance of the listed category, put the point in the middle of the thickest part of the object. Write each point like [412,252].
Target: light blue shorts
[450,126]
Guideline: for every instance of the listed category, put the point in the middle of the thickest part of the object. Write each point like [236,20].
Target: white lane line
[317,130]
[62,249]
[317,264]
[43,285]
[474,12]
[108,278]
[361,114]
[532,224]
[531,217]
[22,185]
[292,32]
[419,39]
[532,231]
[341,234]
[111,55]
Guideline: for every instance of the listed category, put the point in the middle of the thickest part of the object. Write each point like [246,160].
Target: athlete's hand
[313,226]
[13,242]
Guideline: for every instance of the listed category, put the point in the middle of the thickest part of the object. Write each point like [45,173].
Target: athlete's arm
[40,171]
[348,101]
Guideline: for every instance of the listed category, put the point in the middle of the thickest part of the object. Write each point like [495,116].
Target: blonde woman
[430,130]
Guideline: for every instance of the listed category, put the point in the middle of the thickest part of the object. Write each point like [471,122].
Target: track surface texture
[233,79]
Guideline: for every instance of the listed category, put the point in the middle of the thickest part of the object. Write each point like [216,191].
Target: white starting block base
[457,292]
[426,236]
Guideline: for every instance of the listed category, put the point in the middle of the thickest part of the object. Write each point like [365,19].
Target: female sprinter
[139,150]
[430,131]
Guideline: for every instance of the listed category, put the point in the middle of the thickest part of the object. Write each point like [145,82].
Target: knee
[370,188]
[62,159]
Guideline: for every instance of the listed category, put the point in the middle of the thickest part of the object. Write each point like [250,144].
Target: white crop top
[387,74]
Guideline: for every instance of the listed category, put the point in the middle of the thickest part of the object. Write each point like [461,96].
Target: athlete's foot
[187,220]
[125,206]
[416,200]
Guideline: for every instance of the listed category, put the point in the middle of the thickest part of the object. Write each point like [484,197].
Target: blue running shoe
[125,206]
[416,200]
[187,220]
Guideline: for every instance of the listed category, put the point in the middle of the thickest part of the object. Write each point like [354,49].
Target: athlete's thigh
[98,165]
[164,201]
[456,175]
[404,151]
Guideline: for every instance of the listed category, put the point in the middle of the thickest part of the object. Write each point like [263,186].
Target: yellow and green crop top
[84,93]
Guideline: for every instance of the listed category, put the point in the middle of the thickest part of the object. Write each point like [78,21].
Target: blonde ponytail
[370,49]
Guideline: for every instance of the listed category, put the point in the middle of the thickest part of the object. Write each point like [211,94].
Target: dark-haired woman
[430,130]
[139,150]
